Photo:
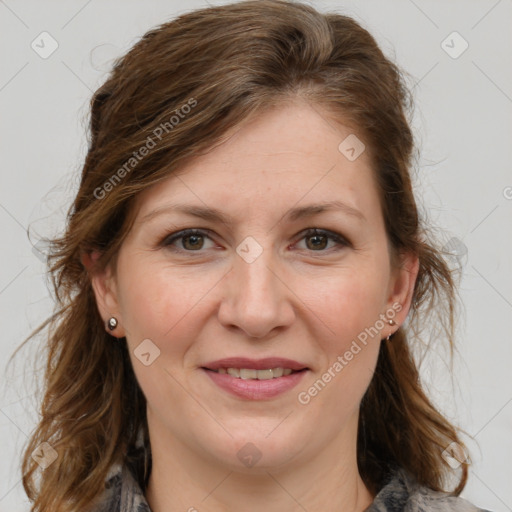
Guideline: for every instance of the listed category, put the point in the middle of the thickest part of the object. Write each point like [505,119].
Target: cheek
[158,301]
[164,306]
[350,308]
[349,303]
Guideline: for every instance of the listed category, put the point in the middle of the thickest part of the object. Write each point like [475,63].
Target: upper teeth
[246,373]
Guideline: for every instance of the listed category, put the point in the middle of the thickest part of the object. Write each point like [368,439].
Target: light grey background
[463,125]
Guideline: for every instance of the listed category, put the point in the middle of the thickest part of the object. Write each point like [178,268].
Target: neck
[185,480]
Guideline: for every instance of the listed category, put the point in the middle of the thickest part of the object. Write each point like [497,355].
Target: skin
[299,300]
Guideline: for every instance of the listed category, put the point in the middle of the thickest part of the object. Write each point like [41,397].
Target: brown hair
[183,86]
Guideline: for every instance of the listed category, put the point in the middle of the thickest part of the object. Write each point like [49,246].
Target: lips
[255,379]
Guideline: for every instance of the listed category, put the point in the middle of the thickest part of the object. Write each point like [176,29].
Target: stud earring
[112,323]
[390,322]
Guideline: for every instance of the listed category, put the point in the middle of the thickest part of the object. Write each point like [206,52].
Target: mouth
[255,379]
[253,374]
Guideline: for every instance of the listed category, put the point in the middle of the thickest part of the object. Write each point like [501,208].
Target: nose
[256,298]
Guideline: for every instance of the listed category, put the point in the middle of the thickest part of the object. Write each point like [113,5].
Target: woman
[242,273]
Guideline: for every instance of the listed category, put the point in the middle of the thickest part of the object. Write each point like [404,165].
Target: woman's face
[259,290]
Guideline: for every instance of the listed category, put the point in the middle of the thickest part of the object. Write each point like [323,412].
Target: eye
[317,240]
[190,240]
[193,240]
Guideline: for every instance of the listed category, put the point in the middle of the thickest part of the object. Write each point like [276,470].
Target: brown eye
[317,242]
[192,242]
[188,240]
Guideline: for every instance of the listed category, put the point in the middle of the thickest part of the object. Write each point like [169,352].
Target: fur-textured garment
[400,494]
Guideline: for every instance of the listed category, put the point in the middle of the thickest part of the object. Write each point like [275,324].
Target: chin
[259,452]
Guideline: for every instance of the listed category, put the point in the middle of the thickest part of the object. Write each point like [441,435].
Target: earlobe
[105,292]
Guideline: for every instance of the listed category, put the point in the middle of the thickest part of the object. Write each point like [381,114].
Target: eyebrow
[214,215]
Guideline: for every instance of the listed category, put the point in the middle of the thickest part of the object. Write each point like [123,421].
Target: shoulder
[403,494]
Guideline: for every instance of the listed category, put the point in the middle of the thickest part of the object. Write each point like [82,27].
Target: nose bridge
[256,281]
[256,300]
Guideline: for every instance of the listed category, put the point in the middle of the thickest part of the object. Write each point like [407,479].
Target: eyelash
[173,237]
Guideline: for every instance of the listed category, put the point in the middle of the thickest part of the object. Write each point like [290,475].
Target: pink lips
[253,389]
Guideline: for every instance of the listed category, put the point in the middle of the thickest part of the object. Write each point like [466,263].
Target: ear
[105,291]
[401,287]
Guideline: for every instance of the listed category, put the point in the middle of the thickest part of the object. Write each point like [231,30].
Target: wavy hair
[232,61]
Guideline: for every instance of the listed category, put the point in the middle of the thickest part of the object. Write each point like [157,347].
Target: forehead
[292,153]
